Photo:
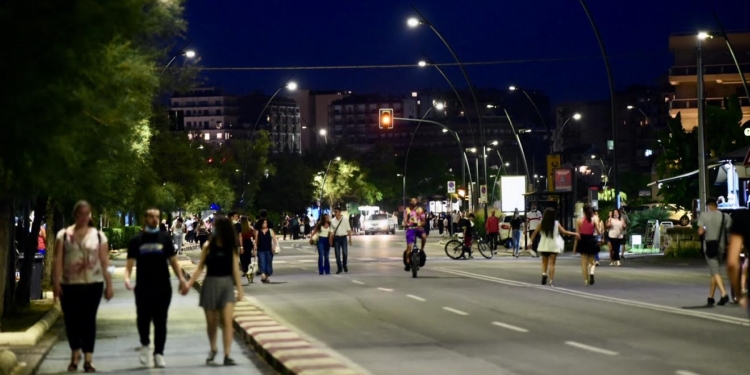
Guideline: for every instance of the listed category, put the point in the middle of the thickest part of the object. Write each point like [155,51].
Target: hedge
[120,237]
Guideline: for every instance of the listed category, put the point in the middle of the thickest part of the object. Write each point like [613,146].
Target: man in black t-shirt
[739,236]
[153,251]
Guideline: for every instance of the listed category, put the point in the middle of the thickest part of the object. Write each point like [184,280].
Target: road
[493,316]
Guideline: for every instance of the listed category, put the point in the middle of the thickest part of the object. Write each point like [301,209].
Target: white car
[676,215]
[380,223]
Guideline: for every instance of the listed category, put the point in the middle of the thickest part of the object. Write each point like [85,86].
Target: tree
[723,134]
[290,188]
[347,181]
[83,85]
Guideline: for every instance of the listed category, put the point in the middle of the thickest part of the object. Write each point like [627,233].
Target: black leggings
[80,303]
[616,244]
[152,305]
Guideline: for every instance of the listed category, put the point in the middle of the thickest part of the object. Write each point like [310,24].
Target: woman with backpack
[79,277]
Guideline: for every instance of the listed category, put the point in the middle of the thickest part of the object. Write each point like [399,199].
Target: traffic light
[386,118]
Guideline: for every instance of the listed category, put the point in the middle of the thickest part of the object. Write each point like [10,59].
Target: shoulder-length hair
[547,225]
[223,233]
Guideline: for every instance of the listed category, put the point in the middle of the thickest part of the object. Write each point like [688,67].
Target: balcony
[724,73]
[693,103]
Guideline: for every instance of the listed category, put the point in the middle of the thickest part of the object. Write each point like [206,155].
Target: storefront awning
[681,176]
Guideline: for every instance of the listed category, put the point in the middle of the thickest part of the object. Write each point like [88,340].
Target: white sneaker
[159,361]
[143,356]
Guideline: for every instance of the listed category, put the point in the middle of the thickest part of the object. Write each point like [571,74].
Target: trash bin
[37,273]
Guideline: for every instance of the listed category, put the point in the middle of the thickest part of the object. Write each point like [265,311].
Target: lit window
[414,94]
[190,136]
[219,135]
[649,152]
[207,137]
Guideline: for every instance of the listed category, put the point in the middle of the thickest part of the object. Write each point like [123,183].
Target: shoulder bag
[712,247]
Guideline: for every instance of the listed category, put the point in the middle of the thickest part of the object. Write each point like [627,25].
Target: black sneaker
[228,361]
[407,268]
[711,302]
[723,300]
[338,272]
[591,279]
[544,279]
[346,269]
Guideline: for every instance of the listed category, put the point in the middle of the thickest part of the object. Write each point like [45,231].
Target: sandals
[87,367]
[72,367]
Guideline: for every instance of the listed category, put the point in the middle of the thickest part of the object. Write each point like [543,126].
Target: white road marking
[307,261]
[280,262]
[366,258]
[459,312]
[600,298]
[385,289]
[420,299]
[684,372]
[358,282]
[590,348]
[510,327]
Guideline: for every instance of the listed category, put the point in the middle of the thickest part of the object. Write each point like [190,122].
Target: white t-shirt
[552,244]
[343,229]
[81,262]
[534,218]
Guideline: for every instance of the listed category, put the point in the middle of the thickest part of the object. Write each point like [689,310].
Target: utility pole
[702,188]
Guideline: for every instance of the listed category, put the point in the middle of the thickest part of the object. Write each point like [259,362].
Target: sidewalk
[186,349]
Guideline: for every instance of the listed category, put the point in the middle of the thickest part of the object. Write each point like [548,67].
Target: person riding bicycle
[467,226]
[414,222]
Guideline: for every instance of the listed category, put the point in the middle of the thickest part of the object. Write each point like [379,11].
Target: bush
[685,249]
[120,237]
[639,219]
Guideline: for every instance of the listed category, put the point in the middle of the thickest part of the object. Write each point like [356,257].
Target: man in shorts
[414,222]
[533,218]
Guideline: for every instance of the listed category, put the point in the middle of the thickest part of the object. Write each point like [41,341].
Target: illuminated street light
[338,158]
[630,107]
[445,130]
[593,156]
[291,86]
[422,63]
[440,106]
[704,35]
[323,132]
[577,116]
[412,22]
[507,164]
[495,143]
[512,88]
[189,54]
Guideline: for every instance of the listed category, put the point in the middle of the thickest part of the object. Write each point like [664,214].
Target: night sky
[355,32]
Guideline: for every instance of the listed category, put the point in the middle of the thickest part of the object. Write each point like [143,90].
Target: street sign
[747,159]
[451,187]
[483,194]
[553,162]
[563,180]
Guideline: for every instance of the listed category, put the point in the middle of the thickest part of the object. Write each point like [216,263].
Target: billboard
[512,189]
[563,180]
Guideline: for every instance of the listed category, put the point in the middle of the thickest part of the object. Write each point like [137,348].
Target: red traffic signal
[386,118]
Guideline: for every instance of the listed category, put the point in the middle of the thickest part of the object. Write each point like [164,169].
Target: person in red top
[492,226]
[41,240]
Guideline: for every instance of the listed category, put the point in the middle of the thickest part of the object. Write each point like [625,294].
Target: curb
[8,362]
[32,335]
[285,350]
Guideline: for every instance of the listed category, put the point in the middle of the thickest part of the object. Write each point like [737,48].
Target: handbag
[712,247]
[314,239]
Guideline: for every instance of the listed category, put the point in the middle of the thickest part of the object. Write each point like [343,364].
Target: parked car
[380,223]
[677,215]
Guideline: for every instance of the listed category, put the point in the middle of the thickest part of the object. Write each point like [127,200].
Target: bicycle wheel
[485,250]
[414,264]
[454,249]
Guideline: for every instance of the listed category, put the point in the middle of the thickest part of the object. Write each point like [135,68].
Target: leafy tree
[347,181]
[290,188]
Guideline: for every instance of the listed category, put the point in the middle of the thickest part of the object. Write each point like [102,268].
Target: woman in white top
[79,274]
[320,233]
[178,230]
[616,226]
[550,243]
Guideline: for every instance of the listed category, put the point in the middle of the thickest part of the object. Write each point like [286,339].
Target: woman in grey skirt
[221,260]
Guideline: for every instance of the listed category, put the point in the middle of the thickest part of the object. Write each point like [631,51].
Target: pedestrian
[587,227]
[79,276]
[338,237]
[515,226]
[441,225]
[308,228]
[189,230]
[492,226]
[163,226]
[550,243]
[41,240]
[533,218]
[714,225]
[151,252]
[295,227]
[237,228]
[221,261]
[455,218]
[247,251]
[739,236]
[320,237]
[178,230]
[467,227]
[201,233]
[615,234]
[265,241]
[600,239]
[285,227]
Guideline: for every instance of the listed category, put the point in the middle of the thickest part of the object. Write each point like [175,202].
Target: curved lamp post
[576,116]
[422,20]
[520,145]
[182,52]
[494,183]
[648,120]
[611,99]
[291,86]
[429,61]
[439,107]
[536,108]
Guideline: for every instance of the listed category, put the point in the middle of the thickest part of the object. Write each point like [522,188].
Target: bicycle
[455,247]
[415,260]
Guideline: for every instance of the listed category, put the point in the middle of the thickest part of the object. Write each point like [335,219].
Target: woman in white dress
[550,243]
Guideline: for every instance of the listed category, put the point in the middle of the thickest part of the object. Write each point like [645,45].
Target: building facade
[721,78]
[281,119]
[205,113]
[313,107]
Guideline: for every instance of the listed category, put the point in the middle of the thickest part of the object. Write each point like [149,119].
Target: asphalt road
[493,316]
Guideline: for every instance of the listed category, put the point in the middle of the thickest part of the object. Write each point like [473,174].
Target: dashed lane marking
[590,348]
[458,312]
[420,299]
[385,289]
[684,372]
[358,282]
[510,327]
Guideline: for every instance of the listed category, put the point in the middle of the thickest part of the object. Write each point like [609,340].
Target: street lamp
[289,85]
[536,108]
[323,184]
[182,52]
[422,63]
[324,133]
[576,116]
[189,54]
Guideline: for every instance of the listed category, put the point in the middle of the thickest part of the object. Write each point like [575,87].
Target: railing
[709,69]
[693,103]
